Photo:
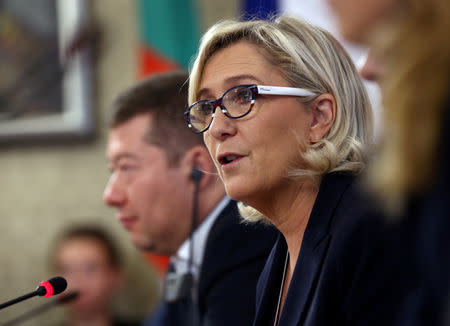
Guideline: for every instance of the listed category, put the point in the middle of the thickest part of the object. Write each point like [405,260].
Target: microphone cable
[196,177]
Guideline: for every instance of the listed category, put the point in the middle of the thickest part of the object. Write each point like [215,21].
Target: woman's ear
[323,110]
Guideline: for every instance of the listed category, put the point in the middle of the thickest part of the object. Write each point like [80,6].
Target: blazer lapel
[269,284]
[313,249]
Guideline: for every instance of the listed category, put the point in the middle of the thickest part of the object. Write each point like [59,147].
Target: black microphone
[62,299]
[53,286]
[196,175]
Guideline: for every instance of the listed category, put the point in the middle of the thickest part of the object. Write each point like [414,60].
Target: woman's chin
[236,191]
[240,192]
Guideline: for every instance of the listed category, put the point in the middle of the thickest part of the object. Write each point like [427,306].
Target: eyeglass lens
[235,103]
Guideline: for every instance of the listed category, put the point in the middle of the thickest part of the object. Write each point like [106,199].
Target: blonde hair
[308,57]
[416,52]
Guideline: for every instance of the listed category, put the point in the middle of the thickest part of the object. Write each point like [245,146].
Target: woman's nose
[221,126]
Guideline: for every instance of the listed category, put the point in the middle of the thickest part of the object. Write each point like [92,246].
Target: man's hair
[164,97]
[88,232]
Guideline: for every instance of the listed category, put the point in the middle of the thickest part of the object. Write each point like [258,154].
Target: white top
[181,259]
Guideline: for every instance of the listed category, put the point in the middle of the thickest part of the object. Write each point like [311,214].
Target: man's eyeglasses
[235,103]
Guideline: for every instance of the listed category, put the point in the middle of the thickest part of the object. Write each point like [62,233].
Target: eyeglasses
[235,103]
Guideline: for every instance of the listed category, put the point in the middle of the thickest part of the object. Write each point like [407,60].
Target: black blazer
[426,233]
[234,256]
[339,243]
[413,272]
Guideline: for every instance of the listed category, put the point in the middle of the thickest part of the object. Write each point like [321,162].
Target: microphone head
[53,286]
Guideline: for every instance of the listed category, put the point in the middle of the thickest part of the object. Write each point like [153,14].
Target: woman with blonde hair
[288,124]
[411,171]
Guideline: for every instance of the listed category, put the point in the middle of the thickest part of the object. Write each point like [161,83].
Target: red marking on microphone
[48,288]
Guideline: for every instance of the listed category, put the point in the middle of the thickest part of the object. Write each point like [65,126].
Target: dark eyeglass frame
[255,91]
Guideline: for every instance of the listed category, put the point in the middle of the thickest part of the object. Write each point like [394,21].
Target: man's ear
[198,158]
[323,110]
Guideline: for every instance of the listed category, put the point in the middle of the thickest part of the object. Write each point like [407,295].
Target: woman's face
[358,18]
[253,154]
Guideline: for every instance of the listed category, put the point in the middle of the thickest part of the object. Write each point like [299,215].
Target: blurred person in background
[410,40]
[372,68]
[168,197]
[288,123]
[87,257]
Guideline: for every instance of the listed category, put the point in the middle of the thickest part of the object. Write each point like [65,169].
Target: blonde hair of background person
[310,58]
[415,51]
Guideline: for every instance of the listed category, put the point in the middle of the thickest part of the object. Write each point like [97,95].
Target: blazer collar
[269,284]
[314,246]
[331,190]
[312,251]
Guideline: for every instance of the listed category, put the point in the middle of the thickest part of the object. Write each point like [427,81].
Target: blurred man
[88,258]
[169,198]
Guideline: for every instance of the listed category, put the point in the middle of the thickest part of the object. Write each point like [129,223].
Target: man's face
[152,198]
[85,263]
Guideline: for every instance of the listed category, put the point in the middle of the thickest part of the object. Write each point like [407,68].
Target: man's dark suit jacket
[234,256]
[340,241]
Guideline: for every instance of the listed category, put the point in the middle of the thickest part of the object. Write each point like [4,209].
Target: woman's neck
[290,210]
[292,224]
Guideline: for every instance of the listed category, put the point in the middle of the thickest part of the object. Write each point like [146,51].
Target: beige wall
[212,11]
[46,188]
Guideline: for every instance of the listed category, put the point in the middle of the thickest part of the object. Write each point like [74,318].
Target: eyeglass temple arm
[280,90]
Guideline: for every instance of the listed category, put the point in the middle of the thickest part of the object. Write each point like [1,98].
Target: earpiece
[196,175]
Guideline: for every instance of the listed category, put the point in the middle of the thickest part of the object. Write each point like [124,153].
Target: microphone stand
[59,300]
[53,286]
[30,314]
[39,291]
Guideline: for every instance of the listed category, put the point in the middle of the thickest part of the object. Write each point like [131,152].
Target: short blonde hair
[308,57]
